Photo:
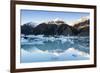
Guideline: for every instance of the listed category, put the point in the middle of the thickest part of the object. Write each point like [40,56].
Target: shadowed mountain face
[83,28]
[84,31]
[53,29]
[82,24]
[46,29]
[57,28]
[27,29]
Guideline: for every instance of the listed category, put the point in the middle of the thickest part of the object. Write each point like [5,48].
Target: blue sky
[38,16]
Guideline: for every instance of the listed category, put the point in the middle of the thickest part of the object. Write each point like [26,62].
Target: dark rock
[57,28]
[64,29]
[84,31]
[82,28]
[26,29]
[85,23]
[53,29]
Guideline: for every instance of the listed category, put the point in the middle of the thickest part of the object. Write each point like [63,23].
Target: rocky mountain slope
[57,27]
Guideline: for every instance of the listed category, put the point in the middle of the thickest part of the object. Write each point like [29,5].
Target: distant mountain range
[57,27]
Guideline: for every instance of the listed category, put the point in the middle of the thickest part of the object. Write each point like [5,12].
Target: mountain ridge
[57,27]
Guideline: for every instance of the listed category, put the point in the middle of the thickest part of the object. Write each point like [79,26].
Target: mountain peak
[33,24]
[56,21]
[82,19]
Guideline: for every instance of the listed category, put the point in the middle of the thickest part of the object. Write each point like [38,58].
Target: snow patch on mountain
[56,21]
[33,24]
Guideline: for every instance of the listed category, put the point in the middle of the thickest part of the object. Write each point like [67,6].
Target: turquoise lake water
[47,49]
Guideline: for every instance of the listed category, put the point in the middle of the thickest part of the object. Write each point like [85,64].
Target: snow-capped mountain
[77,21]
[83,26]
[56,21]
[27,28]
[81,23]
[58,27]
[33,24]
[83,19]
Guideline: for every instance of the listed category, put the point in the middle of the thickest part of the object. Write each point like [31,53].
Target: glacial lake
[47,49]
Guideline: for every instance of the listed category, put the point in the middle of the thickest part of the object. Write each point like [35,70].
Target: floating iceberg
[37,48]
